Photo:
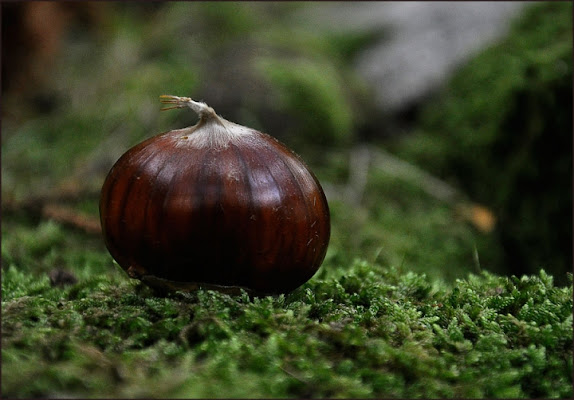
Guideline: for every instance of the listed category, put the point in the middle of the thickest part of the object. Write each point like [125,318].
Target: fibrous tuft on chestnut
[217,205]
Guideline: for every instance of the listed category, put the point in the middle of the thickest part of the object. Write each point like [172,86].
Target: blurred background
[441,132]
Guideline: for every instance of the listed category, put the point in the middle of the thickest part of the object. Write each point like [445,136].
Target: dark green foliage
[371,332]
[503,133]
[325,109]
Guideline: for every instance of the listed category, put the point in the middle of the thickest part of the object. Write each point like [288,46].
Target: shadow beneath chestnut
[149,286]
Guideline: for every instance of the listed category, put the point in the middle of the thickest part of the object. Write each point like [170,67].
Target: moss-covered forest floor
[418,296]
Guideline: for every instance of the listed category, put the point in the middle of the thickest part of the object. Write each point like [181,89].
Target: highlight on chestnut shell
[215,205]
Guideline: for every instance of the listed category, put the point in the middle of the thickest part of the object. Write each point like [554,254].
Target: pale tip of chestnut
[202,109]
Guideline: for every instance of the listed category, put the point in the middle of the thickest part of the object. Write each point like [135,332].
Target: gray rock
[426,41]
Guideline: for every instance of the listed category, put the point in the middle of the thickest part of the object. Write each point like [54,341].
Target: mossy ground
[359,331]
[403,306]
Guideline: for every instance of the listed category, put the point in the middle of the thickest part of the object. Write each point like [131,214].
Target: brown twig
[69,216]
[51,207]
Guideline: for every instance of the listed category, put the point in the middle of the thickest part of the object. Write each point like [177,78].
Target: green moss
[371,332]
[313,94]
[502,133]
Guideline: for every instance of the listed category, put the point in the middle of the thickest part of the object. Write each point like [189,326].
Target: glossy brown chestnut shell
[244,212]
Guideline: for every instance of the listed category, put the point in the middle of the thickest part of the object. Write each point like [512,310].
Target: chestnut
[214,205]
